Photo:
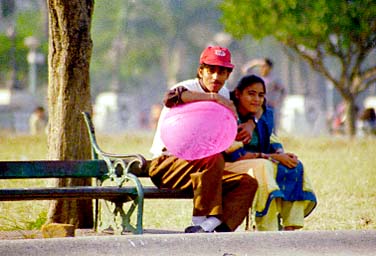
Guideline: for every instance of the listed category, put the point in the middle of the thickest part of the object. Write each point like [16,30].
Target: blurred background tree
[141,47]
[15,26]
[335,37]
[149,41]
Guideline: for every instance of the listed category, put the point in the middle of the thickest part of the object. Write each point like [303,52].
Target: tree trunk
[70,48]
[351,116]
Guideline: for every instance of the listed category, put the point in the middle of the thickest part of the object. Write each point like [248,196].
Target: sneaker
[222,228]
[195,229]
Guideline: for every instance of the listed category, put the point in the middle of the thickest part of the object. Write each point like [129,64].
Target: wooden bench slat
[52,169]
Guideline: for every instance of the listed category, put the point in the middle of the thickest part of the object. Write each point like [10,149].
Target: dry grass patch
[342,173]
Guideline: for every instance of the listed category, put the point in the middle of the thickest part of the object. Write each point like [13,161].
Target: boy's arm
[245,131]
[174,97]
[180,95]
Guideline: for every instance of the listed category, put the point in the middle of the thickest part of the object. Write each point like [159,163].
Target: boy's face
[214,77]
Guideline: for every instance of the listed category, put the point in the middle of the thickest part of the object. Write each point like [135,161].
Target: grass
[342,173]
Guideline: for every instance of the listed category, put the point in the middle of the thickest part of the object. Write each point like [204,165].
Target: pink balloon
[199,129]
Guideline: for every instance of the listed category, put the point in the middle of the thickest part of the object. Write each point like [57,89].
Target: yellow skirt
[264,171]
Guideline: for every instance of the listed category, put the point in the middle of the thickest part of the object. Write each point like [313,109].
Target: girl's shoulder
[267,114]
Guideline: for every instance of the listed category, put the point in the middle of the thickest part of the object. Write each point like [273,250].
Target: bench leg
[111,211]
[138,202]
[107,214]
[126,218]
[96,213]
[249,221]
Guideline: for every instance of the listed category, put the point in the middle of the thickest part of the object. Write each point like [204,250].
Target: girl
[284,190]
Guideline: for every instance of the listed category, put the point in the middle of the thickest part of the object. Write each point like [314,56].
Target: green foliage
[126,43]
[305,22]
[23,222]
[138,35]
[38,223]
[132,39]
[7,8]
[28,22]
[321,32]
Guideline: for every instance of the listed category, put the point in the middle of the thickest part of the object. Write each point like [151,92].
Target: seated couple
[224,190]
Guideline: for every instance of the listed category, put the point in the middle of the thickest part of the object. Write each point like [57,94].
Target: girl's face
[250,99]
[214,77]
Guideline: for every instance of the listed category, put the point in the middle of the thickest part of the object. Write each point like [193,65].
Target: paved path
[302,243]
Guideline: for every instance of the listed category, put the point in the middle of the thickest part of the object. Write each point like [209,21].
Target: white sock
[197,220]
[210,224]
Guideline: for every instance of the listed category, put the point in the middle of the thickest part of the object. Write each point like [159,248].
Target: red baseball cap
[216,56]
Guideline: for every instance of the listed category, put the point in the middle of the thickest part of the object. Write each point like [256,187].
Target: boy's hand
[223,101]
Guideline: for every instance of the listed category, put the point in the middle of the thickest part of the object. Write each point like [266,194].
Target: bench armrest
[119,165]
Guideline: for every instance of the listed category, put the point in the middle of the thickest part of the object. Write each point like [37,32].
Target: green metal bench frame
[123,169]
[130,168]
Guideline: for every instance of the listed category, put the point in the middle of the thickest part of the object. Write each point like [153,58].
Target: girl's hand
[288,159]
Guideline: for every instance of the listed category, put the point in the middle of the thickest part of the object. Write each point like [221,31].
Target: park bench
[122,198]
[133,168]
[125,171]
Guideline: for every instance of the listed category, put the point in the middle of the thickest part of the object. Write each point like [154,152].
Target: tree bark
[70,48]
[351,116]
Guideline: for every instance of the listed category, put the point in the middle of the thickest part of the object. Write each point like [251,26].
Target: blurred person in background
[38,121]
[276,91]
[367,122]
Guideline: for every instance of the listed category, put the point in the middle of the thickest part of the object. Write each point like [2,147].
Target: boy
[221,199]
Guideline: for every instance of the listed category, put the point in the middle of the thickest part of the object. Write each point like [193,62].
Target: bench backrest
[139,165]
[101,166]
[53,169]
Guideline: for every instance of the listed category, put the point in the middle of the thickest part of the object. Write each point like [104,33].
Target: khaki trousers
[216,192]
